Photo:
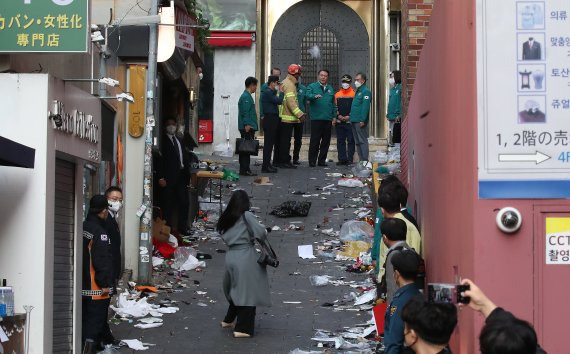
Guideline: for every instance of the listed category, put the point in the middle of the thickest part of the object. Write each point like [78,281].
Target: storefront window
[89,186]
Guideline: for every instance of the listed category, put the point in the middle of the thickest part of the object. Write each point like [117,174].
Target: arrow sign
[537,157]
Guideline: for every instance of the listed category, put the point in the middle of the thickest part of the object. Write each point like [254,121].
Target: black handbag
[267,257]
[247,146]
[397,133]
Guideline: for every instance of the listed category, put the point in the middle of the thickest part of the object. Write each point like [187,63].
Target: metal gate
[64,221]
[319,50]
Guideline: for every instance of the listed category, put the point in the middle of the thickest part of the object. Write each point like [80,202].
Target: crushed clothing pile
[291,209]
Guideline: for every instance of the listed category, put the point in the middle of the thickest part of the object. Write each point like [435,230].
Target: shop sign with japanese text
[44,26]
[523,70]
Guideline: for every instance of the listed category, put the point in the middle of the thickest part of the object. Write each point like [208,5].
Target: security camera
[395,47]
[509,220]
[125,96]
[55,116]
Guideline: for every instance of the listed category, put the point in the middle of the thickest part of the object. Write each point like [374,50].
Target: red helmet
[294,69]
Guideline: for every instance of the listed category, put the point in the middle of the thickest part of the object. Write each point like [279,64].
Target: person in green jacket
[247,122]
[394,102]
[323,110]
[359,116]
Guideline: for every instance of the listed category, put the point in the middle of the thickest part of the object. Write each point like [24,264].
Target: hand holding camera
[478,300]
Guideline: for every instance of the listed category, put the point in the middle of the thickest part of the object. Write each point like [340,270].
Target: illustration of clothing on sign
[532,16]
[538,77]
[531,50]
[532,113]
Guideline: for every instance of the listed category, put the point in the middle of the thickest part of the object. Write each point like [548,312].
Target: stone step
[375,144]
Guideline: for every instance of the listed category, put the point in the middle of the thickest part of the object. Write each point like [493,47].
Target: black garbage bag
[291,209]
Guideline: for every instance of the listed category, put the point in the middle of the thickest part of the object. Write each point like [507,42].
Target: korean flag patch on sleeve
[366,97]
[104,238]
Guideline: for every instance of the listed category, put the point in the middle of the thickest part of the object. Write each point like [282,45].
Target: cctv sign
[44,26]
[557,241]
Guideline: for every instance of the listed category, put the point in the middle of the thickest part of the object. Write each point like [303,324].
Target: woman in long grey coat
[245,281]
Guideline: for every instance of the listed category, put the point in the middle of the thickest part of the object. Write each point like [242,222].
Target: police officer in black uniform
[98,274]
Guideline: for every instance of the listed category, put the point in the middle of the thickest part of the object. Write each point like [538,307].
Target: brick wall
[415,22]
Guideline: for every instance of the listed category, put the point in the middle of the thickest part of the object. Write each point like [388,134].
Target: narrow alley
[299,309]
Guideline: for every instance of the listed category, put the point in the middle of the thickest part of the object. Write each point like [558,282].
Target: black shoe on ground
[349,163]
[342,163]
[296,162]
[247,173]
[323,164]
[269,169]
[287,165]
[312,164]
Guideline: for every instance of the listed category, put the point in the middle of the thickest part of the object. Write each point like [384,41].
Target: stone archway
[325,16]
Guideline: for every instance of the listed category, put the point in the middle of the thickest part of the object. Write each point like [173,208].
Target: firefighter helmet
[294,69]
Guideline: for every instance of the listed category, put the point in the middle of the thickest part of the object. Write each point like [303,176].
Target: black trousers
[244,159]
[245,315]
[285,132]
[271,123]
[176,197]
[298,135]
[95,325]
[320,140]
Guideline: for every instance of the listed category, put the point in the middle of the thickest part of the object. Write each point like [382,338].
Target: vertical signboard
[137,84]
[44,26]
[523,77]
[184,34]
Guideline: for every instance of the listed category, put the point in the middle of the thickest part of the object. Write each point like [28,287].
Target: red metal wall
[459,232]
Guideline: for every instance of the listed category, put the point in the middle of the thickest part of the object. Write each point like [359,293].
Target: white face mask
[171,129]
[345,85]
[392,81]
[115,205]
[357,84]
[201,76]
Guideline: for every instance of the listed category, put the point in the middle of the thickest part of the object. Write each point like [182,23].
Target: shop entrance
[64,223]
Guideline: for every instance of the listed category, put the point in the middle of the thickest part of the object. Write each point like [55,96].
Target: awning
[231,38]
[16,155]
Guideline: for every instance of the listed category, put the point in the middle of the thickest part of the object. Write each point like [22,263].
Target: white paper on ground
[173,241]
[3,336]
[192,263]
[134,344]
[366,297]
[306,251]
[156,261]
[132,308]
[150,320]
[148,325]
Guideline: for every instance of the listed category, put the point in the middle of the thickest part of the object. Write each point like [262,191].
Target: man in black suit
[174,178]
[532,50]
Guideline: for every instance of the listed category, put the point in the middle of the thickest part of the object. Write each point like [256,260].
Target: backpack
[420,278]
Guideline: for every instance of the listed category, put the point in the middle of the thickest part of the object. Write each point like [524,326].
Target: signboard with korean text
[184,35]
[557,241]
[523,71]
[44,26]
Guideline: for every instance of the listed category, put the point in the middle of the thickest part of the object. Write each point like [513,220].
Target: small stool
[213,175]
